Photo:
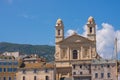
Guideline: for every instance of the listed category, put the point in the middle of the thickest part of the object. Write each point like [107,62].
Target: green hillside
[42,50]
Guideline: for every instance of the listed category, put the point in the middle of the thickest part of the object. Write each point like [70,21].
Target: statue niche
[86,53]
[56,56]
[64,54]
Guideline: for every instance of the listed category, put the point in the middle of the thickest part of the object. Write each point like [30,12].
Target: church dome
[59,22]
[91,20]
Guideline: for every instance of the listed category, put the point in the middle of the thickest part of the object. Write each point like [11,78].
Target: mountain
[45,51]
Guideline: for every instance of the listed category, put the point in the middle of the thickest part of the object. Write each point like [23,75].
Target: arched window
[46,77]
[90,29]
[35,78]
[23,77]
[75,54]
[59,32]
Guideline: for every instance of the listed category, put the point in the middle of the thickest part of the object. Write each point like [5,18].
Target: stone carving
[63,56]
[56,55]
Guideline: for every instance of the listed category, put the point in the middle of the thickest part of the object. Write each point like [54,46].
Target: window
[15,63]
[35,71]
[1,63]
[35,78]
[75,54]
[102,65]
[108,66]
[74,73]
[73,66]
[58,32]
[4,70]
[102,75]
[89,66]
[10,58]
[24,71]
[9,78]
[4,78]
[15,78]
[96,75]
[108,74]
[58,24]
[90,29]
[46,70]
[46,77]
[9,69]
[95,66]
[0,69]
[80,66]
[23,77]
[10,63]
[14,69]
[4,63]
[81,73]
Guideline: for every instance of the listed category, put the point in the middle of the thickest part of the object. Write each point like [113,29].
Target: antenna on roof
[115,49]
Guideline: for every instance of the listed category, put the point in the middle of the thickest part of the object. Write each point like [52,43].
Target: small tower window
[90,29]
[58,32]
[46,77]
[75,55]
[23,77]
[35,78]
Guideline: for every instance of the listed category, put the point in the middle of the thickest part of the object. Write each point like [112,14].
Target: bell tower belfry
[59,33]
[91,29]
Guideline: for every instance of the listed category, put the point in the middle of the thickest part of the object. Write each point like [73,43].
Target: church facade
[73,49]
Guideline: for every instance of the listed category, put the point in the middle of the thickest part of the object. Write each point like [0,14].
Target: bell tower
[59,33]
[91,29]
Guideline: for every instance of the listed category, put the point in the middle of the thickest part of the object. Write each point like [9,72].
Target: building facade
[104,69]
[15,54]
[36,74]
[8,69]
[81,70]
[74,48]
[97,69]
[34,68]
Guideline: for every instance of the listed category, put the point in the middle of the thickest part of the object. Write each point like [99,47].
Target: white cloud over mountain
[105,40]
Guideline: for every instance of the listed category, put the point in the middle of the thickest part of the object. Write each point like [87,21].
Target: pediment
[75,39]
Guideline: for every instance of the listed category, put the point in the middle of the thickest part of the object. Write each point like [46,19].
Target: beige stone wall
[41,74]
[84,70]
[98,69]
[65,52]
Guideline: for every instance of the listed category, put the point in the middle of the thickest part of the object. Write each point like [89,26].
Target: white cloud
[27,16]
[70,32]
[85,31]
[105,40]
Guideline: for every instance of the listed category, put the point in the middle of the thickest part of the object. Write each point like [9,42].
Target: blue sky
[33,21]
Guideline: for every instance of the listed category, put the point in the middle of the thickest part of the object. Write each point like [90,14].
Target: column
[81,52]
[90,54]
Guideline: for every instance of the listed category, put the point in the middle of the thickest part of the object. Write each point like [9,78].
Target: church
[73,49]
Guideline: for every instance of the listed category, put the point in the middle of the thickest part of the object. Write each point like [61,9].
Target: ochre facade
[73,48]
